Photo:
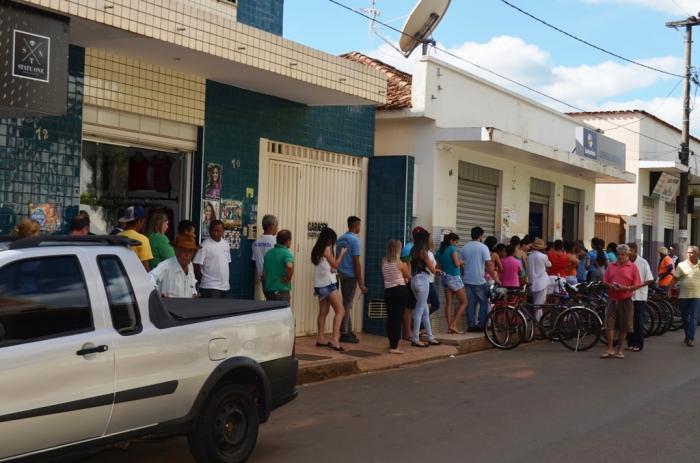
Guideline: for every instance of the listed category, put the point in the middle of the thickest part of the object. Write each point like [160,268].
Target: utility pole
[684,153]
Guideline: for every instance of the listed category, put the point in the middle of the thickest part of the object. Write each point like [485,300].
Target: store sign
[31,56]
[594,145]
[34,61]
[666,187]
[314,228]
[587,143]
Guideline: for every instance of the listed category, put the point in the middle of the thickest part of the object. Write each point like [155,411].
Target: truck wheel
[227,428]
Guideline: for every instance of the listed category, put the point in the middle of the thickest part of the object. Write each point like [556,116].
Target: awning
[509,146]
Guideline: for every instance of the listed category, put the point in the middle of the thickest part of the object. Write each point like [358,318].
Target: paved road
[537,403]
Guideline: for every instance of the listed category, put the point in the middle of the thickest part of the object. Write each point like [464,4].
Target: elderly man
[635,340]
[174,277]
[622,279]
[687,275]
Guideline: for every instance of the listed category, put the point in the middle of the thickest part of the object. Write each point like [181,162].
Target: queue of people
[185,268]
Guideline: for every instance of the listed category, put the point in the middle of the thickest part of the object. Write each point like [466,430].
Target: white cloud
[584,86]
[668,109]
[679,8]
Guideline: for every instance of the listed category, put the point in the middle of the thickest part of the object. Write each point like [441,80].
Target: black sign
[31,56]
[314,228]
[33,60]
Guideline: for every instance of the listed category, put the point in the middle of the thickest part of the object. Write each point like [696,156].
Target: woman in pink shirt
[510,275]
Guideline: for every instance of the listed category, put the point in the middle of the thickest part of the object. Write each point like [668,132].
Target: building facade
[650,204]
[199,108]
[486,156]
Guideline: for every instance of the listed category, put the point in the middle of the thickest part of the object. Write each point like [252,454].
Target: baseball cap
[133,213]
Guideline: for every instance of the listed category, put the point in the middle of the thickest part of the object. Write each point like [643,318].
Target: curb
[336,369]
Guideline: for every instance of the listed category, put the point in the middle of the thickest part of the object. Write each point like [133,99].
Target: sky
[495,36]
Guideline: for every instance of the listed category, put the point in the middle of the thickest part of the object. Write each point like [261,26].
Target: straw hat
[185,241]
[663,250]
[538,245]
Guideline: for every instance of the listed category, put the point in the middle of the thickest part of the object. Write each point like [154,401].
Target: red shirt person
[622,279]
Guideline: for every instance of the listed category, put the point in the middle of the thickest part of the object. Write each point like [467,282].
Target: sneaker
[690,343]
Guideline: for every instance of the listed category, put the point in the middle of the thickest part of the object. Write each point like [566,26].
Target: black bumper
[282,377]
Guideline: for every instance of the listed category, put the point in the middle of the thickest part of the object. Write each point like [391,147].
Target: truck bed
[169,312]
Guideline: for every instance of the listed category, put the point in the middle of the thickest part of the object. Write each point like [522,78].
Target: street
[539,402]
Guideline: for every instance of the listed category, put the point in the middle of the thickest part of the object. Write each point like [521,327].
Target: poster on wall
[231,213]
[233,236]
[212,188]
[210,212]
[48,216]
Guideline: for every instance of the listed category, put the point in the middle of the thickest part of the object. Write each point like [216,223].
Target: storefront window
[114,177]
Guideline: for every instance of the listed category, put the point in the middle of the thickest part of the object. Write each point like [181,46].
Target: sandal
[418,344]
[619,355]
[318,344]
[607,355]
[434,342]
[452,331]
[336,348]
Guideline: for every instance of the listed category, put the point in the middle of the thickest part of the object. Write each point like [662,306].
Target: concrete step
[372,354]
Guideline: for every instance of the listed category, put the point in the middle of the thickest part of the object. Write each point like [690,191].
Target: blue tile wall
[263,14]
[390,196]
[236,119]
[39,170]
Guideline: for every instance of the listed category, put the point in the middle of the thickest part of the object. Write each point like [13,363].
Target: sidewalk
[371,354]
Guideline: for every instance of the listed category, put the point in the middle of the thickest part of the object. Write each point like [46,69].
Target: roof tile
[399,82]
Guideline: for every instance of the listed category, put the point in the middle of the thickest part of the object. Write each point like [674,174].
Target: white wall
[456,98]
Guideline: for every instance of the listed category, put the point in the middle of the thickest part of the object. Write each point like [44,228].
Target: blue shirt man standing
[477,262]
[350,275]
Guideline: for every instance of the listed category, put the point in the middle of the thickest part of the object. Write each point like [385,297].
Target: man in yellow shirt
[134,218]
[687,275]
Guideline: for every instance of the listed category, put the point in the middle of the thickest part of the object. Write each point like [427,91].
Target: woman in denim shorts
[326,286]
[450,263]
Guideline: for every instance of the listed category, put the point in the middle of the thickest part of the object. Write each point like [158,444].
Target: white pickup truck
[90,354]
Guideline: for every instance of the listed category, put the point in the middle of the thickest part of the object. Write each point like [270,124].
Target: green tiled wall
[263,14]
[236,119]
[44,166]
[390,199]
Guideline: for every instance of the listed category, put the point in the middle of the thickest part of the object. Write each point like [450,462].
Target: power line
[585,42]
[655,109]
[681,8]
[513,81]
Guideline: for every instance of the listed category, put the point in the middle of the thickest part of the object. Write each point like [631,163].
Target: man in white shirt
[174,277]
[260,247]
[537,264]
[635,340]
[211,263]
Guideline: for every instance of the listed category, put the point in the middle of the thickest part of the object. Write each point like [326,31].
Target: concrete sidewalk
[372,354]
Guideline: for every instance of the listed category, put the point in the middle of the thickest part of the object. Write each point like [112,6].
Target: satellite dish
[421,23]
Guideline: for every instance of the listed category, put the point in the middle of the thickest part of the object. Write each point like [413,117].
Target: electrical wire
[681,8]
[585,42]
[668,95]
[508,79]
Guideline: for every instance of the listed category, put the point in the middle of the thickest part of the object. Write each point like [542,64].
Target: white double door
[307,189]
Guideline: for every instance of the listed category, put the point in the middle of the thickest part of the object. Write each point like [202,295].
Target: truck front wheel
[227,428]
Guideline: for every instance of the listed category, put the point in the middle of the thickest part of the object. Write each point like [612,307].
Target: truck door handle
[92,350]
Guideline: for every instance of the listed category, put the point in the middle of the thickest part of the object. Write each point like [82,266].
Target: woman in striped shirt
[396,296]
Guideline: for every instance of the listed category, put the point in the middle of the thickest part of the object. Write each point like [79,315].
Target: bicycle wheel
[666,317]
[547,323]
[649,323]
[677,322]
[579,328]
[505,328]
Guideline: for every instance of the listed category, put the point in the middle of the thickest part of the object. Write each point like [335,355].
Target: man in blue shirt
[350,275]
[477,262]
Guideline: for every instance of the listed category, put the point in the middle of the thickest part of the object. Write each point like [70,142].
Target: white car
[90,354]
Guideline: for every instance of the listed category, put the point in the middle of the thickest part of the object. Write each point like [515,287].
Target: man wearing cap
[174,277]
[665,272]
[134,218]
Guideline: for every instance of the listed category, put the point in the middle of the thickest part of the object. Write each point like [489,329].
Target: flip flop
[336,348]
[419,344]
[451,331]
[619,355]
[318,344]
[607,355]
[434,342]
